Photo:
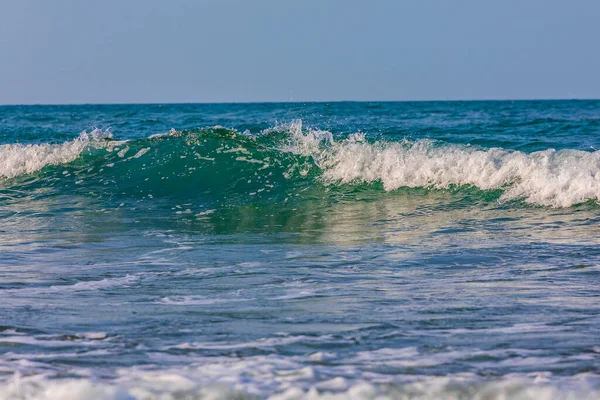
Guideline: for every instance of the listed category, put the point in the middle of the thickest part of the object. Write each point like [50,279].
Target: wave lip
[19,159]
[548,178]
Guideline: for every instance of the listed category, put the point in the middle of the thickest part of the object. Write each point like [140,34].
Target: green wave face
[291,168]
[208,166]
[215,179]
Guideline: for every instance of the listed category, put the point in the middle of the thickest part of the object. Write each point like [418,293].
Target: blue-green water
[344,250]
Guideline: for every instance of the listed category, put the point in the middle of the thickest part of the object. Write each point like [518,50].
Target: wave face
[300,251]
[277,162]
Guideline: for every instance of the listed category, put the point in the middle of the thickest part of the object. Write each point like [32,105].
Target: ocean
[360,250]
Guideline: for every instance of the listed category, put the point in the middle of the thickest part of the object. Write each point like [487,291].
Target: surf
[287,160]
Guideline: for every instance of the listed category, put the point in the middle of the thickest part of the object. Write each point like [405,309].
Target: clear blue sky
[121,51]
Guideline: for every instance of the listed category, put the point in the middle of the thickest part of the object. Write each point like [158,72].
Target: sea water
[288,251]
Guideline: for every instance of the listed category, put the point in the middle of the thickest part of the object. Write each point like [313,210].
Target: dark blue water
[343,250]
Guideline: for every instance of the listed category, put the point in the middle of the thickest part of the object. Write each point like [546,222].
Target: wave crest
[549,178]
[19,159]
[283,158]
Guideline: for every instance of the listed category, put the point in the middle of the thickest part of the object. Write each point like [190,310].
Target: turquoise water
[344,250]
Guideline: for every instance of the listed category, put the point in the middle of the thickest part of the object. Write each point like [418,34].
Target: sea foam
[18,159]
[234,384]
[548,178]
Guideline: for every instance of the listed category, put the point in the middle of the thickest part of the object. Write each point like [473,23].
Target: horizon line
[294,102]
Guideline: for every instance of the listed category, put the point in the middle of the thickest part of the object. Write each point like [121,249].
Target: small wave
[102,284]
[264,343]
[196,300]
[82,339]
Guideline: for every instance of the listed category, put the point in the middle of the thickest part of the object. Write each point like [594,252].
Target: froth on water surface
[352,250]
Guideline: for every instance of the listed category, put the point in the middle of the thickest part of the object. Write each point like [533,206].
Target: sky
[159,51]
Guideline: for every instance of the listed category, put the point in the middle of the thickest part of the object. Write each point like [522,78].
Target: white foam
[105,283]
[192,383]
[196,300]
[19,159]
[549,178]
[264,343]
[50,341]
[141,152]
[172,132]
[365,375]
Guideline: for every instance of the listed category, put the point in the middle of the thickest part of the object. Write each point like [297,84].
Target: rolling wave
[286,160]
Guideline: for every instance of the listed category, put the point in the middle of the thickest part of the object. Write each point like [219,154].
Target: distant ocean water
[433,250]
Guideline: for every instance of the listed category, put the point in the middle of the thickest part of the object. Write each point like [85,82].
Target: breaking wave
[220,384]
[282,161]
